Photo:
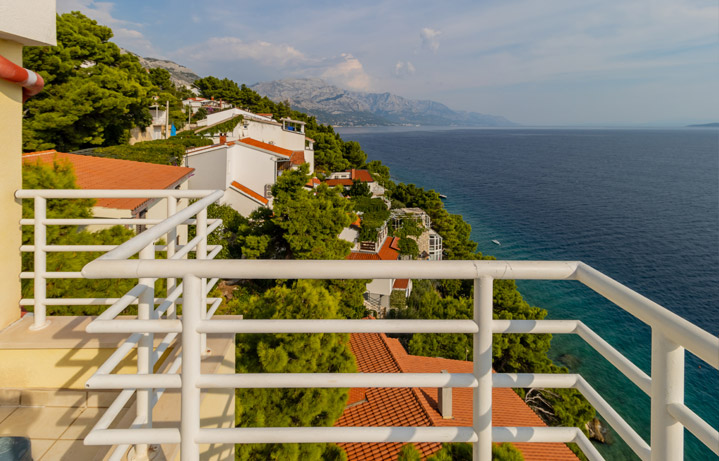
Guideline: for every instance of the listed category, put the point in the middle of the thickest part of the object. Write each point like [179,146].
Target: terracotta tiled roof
[297,157]
[401,284]
[386,253]
[376,353]
[313,182]
[361,175]
[110,173]
[265,115]
[270,147]
[338,182]
[246,190]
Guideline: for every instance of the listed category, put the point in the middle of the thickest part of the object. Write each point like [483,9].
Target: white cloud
[404,69]
[430,39]
[348,72]
[233,48]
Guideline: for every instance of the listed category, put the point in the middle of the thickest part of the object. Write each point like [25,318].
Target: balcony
[172,351]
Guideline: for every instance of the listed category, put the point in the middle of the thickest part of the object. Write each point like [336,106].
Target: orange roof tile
[401,284]
[269,147]
[110,173]
[250,192]
[338,182]
[361,175]
[376,353]
[298,157]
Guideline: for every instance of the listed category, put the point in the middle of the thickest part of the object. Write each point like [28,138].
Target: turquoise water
[642,206]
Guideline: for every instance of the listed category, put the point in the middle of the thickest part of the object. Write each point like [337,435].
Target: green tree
[328,152]
[353,153]
[463,452]
[61,176]
[311,220]
[409,453]
[94,93]
[291,353]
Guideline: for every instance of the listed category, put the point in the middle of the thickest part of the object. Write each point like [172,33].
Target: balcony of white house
[165,380]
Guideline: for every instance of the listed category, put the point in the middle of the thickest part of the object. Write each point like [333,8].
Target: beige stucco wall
[10,181]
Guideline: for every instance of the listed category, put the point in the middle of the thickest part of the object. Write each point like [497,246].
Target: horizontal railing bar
[698,341]
[93,221]
[696,425]
[526,380]
[620,362]
[534,434]
[54,275]
[625,431]
[110,266]
[92,301]
[133,381]
[534,326]
[134,326]
[132,436]
[111,193]
[335,380]
[335,434]
[97,248]
[337,326]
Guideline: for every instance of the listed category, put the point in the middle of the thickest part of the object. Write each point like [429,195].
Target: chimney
[444,401]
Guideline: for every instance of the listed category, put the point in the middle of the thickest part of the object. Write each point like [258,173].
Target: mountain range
[337,106]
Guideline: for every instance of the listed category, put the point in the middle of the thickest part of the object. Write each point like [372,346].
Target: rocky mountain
[180,75]
[336,106]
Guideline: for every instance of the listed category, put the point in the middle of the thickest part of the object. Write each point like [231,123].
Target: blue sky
[550,62]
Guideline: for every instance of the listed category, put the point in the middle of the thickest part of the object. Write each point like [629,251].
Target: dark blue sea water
[642,206]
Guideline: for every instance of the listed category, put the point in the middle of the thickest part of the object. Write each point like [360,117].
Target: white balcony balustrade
[671,336]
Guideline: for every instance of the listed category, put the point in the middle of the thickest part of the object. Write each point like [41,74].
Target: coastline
[523,238]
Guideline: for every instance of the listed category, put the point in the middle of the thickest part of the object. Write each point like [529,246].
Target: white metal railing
[143,294]
[671,335]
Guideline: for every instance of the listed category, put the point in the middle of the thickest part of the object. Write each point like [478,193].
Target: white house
[246,170]
[348,177]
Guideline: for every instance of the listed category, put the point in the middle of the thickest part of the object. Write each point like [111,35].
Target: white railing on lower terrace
[142,294]
[671,335]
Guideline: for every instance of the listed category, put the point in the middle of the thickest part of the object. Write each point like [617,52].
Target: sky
[549,62]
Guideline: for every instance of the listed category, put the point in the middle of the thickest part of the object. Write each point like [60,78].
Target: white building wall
[240,202]
[310,159]
[210,169]
[274,134]
[251,168]
[380,287]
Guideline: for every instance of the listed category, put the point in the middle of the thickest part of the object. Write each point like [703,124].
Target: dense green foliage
[223,128]
[460,452]
[166,91]
[61,176]
[93,94]
[163,151]
[291,353]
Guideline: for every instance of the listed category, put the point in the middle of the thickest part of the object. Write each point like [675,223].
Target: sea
[640,205]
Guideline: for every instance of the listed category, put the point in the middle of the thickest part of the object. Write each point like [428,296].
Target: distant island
[705,125]
[340,107]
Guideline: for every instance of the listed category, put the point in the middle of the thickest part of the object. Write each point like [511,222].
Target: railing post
[191,356]
[171,247]
[40,265]
[201,253]
[667,434]
[482,367]
[145,351]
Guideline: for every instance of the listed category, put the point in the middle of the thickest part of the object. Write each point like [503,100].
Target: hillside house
[348,177]
[246,170]
[430,242]
[109,173]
